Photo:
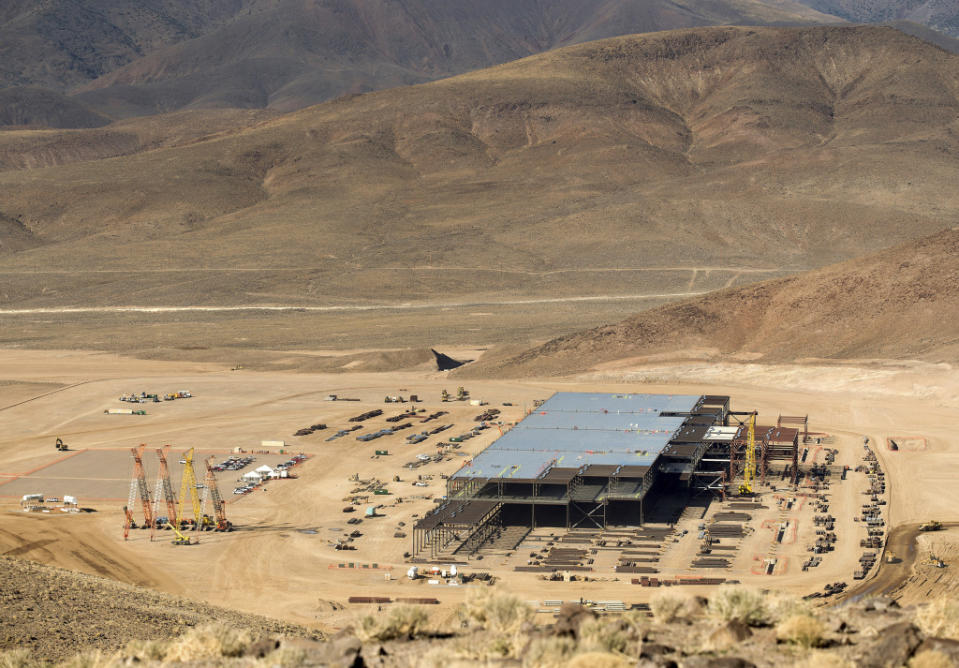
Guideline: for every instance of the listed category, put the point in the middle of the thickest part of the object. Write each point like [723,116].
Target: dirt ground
[280,561]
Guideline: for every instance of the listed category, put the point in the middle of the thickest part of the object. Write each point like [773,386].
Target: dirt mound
[56,613]
[902,304]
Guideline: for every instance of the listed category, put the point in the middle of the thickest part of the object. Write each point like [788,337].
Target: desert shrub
[94,659]
[739,603]
[549,652]
[781,606]
[939,619]
[800,629]
[599,660]
[497,611]
[207,642]
[609,635]
[284,657]
[930,658]
[403,621]
[668,606]
[18,658]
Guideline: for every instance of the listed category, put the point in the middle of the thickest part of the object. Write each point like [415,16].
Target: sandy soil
[276,565]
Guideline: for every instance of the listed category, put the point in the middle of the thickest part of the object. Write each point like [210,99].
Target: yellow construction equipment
[462,394]
[444,396]
[188,490]
[933,560]
[749,470]
[931,525]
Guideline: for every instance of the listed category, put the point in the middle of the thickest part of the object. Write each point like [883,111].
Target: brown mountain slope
[298,53]
[55,613]
[941,15]
[669,163]
[902,303]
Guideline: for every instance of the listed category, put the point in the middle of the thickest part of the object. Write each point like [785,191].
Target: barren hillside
[902,303]
[56,613]
[941,15]
[659,165]
[151,56]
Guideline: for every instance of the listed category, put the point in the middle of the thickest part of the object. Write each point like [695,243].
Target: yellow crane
[188,489]
[749,470]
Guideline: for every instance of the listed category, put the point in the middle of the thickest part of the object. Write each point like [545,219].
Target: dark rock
[716,662]
[652,650]
[571,615]
[729,635]
[892,648]
[262,647]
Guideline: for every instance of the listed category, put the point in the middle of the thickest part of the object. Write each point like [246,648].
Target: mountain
[667,163]
[127,58]
[300,53]
[940,15]
[902,303]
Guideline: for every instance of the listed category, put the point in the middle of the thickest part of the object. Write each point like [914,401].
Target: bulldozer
[931,525]
[933,560]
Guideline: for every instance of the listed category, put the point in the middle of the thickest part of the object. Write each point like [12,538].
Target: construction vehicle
[444,395]
[933,560]
[219,522]
[462,394]
[61,446]
[931,525]
[892,558]
[749,470]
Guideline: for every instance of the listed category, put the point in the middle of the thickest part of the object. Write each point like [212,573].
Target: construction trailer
[590,460]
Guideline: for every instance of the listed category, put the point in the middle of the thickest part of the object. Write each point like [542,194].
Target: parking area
[104,475]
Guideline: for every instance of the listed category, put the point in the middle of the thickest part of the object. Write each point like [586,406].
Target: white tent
[264,471]
[253,476]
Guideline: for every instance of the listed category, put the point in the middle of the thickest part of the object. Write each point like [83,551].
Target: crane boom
[188,490]
[219,508]
[164,479]
[749,470]
[141,485]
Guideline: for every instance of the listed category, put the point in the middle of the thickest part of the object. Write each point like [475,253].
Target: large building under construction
[594,460]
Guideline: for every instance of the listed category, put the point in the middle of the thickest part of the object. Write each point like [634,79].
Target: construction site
[561,494]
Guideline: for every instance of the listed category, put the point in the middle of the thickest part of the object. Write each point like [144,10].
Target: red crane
[167,487]
[138,487]
[219,508]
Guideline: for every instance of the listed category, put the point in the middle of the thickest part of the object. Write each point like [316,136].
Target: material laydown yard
[281,561]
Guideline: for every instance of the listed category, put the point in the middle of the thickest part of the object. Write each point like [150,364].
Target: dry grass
[668,606]
[824,660]
[742,604]
[17,658]
[497,611]
[939,619]
[401,622]
[931,659]
[599,660]
[800,629]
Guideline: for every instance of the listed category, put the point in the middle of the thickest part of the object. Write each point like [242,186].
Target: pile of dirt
[899,304]
[56,613]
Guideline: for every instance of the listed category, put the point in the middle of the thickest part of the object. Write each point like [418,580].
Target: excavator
[933,560]
[61,446]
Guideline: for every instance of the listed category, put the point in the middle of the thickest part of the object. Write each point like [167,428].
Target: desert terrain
[280,562]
